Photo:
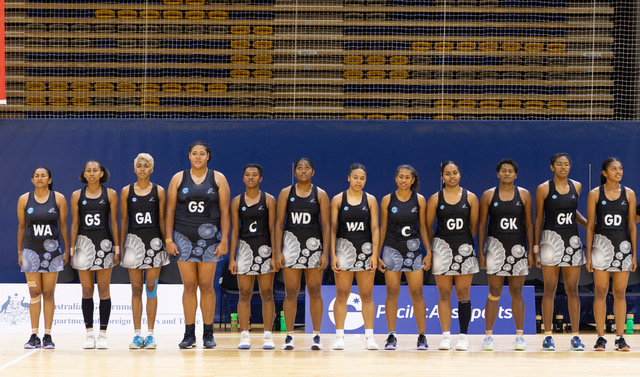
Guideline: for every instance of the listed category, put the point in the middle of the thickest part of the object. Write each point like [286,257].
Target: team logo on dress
[495,204]
[394,209]
[210,191]
[354,319]
[30,210]
[554,196]
[102,201]
[244,208]
[14,310]
[604,202]
[414,209]
[261,208]
[464,205]
[185,190]
[292,199]
[84,202]
[313,200]
[346,208]
[52,210]
[442,206]
[134,200]
[364,208]
[152,199]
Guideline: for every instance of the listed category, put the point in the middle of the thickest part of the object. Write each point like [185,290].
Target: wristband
[168,241]
[117,250]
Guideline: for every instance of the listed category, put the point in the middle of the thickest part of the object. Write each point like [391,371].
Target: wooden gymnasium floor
[68,359]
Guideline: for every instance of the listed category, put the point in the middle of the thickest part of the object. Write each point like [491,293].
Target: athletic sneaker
[47,342]
[391,342]
[245,341]
[463,343]
[34,342]
[338,344]
[288,343]
[601,344]
[188,341]
[101,341]
[207,340]
[487,343]
[621,345]
[422,343]
[89,342]
[445,344]
[150,342]
[547,343]
[267,342]
[316,346]
[520,344]
[371,343]
[137,343]
[576,344]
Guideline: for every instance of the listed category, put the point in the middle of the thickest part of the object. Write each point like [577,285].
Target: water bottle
[558,324]
[629,329]
[234,321]
[609,324]
[538,324]
[283,326]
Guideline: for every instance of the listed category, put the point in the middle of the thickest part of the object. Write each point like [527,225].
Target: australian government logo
[14,310]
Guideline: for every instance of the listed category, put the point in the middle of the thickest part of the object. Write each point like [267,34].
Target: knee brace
[494,298]
[31,284]
[154,292]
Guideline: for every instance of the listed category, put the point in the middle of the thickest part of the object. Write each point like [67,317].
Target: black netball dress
[197,219]
[254,244]
[94,244]
[41,250]
[506,244]
[560,244]
[401,251]
[611,247]
[452,245]
[353,238]
[143,247]
[302,239]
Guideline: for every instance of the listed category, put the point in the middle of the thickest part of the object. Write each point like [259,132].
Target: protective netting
[360,59]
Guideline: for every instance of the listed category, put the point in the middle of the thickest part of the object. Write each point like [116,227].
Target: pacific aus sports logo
[354,319]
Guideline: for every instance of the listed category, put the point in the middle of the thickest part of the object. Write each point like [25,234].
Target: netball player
[454,259]
[95,245]
[505,231]
[197,229]
[302,239]
[402,225]
[354,251]
[142,232]
[611,247]
[559,248]
[42,222]
[253,215]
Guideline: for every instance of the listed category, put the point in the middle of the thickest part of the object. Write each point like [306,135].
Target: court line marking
[10,363]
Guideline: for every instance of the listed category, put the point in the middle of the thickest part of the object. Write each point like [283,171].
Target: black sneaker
[207,340]
[601,344]
[47,343]
[422,342]
[390,343]
[188,341]
[34,342]
[621,345]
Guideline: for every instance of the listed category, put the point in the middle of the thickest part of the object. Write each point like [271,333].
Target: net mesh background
[322,59]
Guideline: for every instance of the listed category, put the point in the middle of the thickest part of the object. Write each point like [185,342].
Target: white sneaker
[101,341]
[520,344]
[463,343]
[487,343]
[267,342]
[338,344]
[89,342]
[371,343]
[445,344]
[245,341]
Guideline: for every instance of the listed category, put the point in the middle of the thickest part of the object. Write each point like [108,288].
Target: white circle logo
[354,319]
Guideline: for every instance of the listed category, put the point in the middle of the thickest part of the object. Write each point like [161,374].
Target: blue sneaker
[576,344]
[150,342]
[137,343]
[548,345]
[316,345]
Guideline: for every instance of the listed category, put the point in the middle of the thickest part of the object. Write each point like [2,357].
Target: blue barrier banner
[406,323]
